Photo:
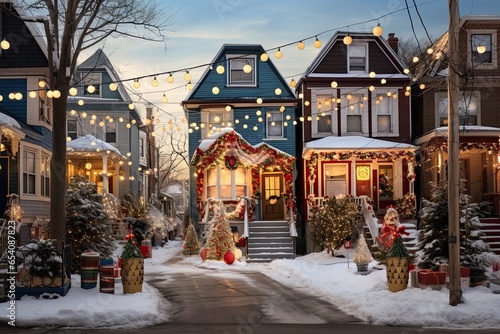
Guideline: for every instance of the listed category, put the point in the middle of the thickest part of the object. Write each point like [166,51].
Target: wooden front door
[272,202]
[363,178]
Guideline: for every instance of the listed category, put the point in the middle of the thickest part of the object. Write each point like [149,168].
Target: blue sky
[201,27]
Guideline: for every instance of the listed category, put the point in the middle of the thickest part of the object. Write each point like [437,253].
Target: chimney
[393,42]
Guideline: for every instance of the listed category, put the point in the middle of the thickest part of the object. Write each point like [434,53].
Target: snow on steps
[269,240]
[409,240]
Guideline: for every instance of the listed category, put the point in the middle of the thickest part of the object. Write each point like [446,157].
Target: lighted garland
[216,154]
[443,147]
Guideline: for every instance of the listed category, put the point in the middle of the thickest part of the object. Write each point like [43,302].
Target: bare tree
[72,26]
[173,157]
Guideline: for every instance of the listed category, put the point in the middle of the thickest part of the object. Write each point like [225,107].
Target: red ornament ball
[229,257]
[242,242]
[204,254]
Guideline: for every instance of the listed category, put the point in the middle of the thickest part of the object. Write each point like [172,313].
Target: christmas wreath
[231,162]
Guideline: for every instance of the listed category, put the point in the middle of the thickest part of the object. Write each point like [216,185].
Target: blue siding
[14,107]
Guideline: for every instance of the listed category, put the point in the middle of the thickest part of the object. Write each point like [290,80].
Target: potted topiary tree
[132,267]
[362,255]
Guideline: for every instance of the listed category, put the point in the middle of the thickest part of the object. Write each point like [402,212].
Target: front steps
[269,240]
[410,240]
[491,229]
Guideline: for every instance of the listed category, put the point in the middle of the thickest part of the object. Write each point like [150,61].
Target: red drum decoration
[229,257]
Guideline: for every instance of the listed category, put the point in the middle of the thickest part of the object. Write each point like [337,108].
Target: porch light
[88,165]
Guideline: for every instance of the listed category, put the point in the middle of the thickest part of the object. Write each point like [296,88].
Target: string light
[170,78]
[136,83]
[113,86]
[73,91]
[317,43]
[264,57]
[347,39]
[378,31]
[4,44]
[301,45]
[278,54]
[187,76]
[154,82]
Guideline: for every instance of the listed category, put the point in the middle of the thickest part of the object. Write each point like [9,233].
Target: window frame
[439,96]
[205,117]
[494,59]
[241,83]
[107,125]
[327,109]
[29,178]
[269,120]
[95,79]
[218,179]
[326,180]
[72,134]
[393,111]
[350,49]
[361,111]
[45,175]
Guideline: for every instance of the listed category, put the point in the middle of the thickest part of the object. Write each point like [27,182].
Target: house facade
[241,137]
[356,128]
[25,127]
[479,97]
[101,114]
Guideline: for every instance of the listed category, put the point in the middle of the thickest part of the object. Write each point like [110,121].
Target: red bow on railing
[393,232]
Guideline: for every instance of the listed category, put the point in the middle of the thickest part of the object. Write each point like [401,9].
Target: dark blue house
[242,141]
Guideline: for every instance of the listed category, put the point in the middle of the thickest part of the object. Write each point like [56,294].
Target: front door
[272,202]
[363,180]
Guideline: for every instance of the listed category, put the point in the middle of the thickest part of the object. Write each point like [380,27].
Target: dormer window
[92,84]
[358,59]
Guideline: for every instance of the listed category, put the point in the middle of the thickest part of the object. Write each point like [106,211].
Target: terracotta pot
[132,274]
[397,273]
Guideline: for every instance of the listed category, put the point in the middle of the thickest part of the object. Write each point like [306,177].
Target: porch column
[104,173]
[116,183]
[353,176]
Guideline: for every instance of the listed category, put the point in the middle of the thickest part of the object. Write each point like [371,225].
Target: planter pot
[132,274]
[362,267]
[397,273]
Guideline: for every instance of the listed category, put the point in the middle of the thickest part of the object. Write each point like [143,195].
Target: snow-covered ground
[364,296]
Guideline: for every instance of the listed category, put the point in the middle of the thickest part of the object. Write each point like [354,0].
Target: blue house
[25,128]
[242,144]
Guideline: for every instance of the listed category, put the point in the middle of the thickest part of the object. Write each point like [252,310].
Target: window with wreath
[225,183]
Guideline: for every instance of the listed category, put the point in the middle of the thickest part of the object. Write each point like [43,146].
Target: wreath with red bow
[231,162]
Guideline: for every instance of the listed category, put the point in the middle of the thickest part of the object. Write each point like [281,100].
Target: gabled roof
[338,38]
[255,49]
[465,131]
[99,60]
[354,143]
[90,144]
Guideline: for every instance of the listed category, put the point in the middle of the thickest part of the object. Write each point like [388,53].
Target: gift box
[428,277]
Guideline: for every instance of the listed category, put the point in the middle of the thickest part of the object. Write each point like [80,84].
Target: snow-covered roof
[207,142]
[10,121]
[355,143]
[465,131]
[89,143]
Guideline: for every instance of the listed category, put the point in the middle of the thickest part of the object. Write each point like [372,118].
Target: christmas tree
[362,253]
[86,227]
[334,222]
[398,248]
[220,239]
[385,188]
[433,236]
[191,245]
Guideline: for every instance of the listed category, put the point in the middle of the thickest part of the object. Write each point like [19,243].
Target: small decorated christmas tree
[191,245]
[362,254]
[398,248]
[131,251]
[220,240]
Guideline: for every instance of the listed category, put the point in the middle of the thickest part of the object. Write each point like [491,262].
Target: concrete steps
[409,240]
[491,230]
[269,240]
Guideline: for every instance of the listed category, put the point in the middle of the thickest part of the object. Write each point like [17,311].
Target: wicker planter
[132,274]
[397,273]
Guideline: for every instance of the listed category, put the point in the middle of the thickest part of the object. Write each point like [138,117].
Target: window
[481,47]
[223,183]
[335,179]
[237,76]
[385,181]
[44,107]
[323,113]
[29,172]
[110,132]
[274,124]
[92,79]
[45,175]
[354,111]
[357,57]
[72,129]
[385,111]
[468,108]
[213,120]
[141,147]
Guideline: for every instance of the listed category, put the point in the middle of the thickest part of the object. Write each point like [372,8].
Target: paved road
[207,301]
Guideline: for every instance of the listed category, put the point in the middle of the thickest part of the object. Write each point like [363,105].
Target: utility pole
[453,162]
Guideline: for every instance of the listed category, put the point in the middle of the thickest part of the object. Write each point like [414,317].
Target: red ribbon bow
[388,230]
